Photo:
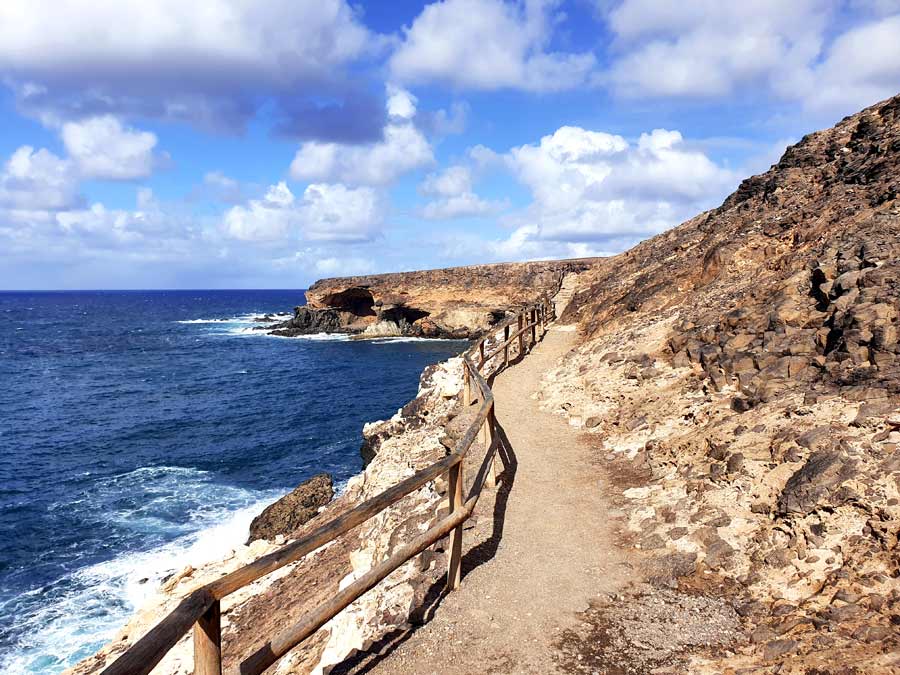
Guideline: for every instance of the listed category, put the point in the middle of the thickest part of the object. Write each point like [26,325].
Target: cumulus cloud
[205,61]
[37,180]
[325,212]
[102,147]
[453,196]
[804,51]
[862,67]
[703,47]
[403,148]
[486,45]
[591,186]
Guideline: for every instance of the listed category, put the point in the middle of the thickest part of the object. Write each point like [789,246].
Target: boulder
[293,510]
[815,482]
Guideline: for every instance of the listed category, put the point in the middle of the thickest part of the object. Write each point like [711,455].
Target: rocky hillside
[457,302]
[739,374]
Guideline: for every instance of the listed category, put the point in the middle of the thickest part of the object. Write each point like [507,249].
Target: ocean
[141,431]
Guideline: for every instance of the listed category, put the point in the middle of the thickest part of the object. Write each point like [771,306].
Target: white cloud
[400,103]
[861,68]
[454,198]
[102,147]
[204,60]
[593,186]
[833,59]
[325,212]
[488,44]
[34,180]
[705,47]
[448,183]
[339,213]
[267,219]
[123,226]
[403,148]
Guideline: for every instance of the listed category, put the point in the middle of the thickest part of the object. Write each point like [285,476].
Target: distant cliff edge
[456,302]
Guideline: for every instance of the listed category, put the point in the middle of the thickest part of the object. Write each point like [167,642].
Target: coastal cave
[357,300]
[403,313]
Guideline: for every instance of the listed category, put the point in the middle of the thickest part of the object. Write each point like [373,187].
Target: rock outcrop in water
[740,376]
[458,302]
[295,509]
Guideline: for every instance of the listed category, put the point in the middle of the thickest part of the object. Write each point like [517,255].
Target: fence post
[467,386]
[506,346]
[521,333]
[454,568]
[534,326]
[208,642]
[491,478]
[481,355]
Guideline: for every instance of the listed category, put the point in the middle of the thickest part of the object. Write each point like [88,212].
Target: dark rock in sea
[307,321]
[293,510]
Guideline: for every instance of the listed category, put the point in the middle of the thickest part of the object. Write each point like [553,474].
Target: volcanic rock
[286,515]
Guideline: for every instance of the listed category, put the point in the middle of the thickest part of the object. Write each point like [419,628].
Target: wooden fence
[200,610]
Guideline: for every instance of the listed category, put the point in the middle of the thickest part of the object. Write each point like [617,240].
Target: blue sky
[267,143]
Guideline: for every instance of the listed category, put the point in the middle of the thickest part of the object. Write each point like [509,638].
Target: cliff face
[458,302]
[740,376]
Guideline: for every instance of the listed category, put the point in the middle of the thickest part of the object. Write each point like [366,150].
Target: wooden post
[533,326]
[505,346]
[491,480]
[521,333]
[454,568]
[467,386]
[481,354]
[208,642]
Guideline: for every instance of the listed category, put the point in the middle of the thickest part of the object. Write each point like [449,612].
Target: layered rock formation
[458,302]
[739,374]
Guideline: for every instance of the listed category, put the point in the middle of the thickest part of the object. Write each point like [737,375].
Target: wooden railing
[200,610]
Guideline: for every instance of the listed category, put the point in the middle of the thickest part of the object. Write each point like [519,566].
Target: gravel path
[555,554]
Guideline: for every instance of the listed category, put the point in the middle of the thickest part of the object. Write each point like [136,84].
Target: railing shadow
[364,662]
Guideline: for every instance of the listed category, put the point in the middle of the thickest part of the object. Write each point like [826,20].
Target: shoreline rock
[286,515]
[453,303]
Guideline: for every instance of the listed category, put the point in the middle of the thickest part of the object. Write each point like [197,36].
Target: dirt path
[555,555]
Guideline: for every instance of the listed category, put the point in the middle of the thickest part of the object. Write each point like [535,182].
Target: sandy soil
[555,556]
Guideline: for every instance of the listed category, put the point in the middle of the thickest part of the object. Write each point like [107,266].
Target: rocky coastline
[452,303]
[737,379]
[421,432]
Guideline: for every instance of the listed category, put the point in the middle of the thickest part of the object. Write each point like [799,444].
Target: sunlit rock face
[459,302]
[742,372]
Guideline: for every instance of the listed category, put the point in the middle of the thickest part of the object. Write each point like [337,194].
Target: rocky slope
[458,302]
[739,375]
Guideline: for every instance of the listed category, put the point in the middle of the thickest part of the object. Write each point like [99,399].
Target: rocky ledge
[457,302]
[739,377]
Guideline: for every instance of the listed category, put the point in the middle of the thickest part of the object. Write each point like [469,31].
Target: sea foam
[215,520]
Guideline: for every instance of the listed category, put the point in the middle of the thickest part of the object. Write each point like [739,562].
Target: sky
[268,143]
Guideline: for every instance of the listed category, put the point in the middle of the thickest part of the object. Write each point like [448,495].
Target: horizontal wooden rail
[200,609]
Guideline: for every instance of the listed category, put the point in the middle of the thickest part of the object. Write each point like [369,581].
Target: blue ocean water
[140,431]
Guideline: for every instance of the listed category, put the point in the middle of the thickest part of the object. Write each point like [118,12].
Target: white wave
[252,318]
[105,595]
[413,339]
[243,331]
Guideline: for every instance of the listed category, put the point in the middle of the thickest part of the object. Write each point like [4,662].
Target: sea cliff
[457,302]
